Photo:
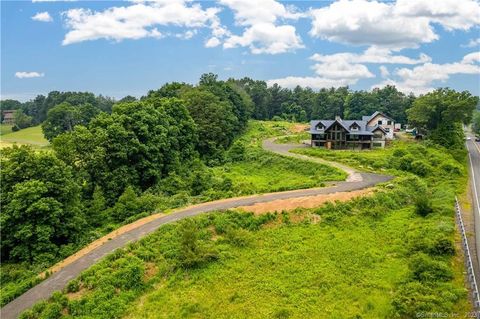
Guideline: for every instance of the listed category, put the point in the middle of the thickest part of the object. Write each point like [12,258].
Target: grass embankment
[253,171]
[32,136]
[259,171]
[383,256]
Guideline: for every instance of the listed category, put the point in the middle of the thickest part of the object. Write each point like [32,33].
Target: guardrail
[468,260]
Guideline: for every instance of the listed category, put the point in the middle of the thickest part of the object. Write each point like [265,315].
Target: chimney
[338,118]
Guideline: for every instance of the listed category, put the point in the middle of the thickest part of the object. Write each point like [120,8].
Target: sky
[127,48]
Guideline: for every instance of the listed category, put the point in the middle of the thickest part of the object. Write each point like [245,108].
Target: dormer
[354,127]
[320,127]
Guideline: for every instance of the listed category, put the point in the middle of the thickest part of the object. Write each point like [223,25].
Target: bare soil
[304,202]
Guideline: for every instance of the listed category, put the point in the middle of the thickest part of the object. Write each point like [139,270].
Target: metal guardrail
[468,259]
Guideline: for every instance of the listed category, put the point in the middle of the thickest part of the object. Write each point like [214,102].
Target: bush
[238,237]
[415,297]
[423,205]
[426,269]
[421,168]
[193,252]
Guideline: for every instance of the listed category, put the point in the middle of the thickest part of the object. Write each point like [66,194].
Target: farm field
[32,136]
[381,256]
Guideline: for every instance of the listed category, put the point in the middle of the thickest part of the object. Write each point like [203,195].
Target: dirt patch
[298,128]
[304,202]
[99,242]
[77,295]
[150,271]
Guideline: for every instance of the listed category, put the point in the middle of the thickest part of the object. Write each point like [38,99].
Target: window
[389,122]
[380,122]
[387,130]
[320,127]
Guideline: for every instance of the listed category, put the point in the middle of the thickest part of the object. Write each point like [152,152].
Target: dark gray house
[347,134]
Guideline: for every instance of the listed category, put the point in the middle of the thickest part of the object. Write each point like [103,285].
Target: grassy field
[32,136]
[256,172]
[261,172]
[383,256]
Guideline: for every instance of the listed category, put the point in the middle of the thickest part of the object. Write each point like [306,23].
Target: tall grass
[372,257]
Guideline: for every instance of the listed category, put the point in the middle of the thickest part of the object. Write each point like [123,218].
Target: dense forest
[109,156]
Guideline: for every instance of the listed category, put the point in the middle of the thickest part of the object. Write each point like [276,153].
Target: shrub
[421,168]
[193,252]
[423,205]
[425,269]
[415,297]
[238,237]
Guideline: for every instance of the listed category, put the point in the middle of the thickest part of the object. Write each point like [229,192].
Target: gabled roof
[346,124]
[375,114]
[377,127]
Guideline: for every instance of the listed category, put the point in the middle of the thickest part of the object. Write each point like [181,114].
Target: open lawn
[32,136]
[5,129]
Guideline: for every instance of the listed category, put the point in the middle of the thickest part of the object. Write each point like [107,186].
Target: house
[370,131]
[380,119]
[8,116]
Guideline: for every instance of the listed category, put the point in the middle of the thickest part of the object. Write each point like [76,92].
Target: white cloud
[348,68]
[342,70]
[251,12]
[28,75]
[136,21]
[421,79]
[471,57]
[263,33]
[266,38]
[371,55]
[402,24]
[43,17]
[451,14]
[472,43]
[212,42]
[384,71]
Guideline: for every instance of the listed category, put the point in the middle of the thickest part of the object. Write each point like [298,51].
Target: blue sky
[126,48]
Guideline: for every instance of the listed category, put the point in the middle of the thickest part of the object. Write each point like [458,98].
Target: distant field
[29,136]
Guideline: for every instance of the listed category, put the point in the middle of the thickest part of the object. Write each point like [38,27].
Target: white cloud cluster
[420,79]
[472,43]
[28,75]
[397,25]
[262,33]
[43,17]
[136,21]
[348,68]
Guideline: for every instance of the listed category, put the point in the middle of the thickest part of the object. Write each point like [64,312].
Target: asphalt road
[59,280]
[474,160]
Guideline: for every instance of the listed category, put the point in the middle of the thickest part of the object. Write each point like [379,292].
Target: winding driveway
[58,280]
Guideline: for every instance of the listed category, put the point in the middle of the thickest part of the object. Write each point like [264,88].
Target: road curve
[58,280]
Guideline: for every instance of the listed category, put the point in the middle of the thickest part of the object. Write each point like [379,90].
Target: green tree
[40,205]
[138,144]
[441,112]
[22,120]
[476,122]
[215,121]
[64,117]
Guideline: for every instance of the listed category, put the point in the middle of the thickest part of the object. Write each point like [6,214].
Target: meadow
[390,255]
[32,136]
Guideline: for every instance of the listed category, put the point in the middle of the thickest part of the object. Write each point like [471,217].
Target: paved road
[474,160]
[58,280]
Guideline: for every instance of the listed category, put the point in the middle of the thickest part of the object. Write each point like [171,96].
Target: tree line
[109,157]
